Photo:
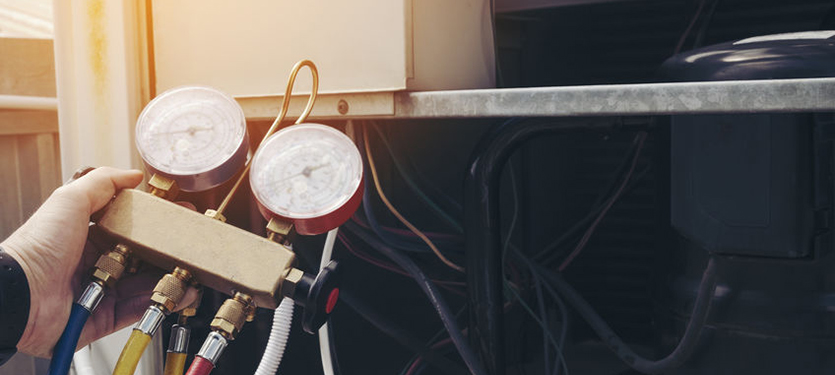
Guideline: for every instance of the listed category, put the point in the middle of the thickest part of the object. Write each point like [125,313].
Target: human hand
[50,248]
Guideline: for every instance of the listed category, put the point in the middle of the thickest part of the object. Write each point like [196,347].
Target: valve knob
[318,296]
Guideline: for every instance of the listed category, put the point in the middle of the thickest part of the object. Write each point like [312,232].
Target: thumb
[99,186]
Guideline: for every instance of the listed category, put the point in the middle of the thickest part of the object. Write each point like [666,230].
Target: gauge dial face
[189,131]
[306,171]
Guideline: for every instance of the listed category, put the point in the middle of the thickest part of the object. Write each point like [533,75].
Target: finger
[123,306]
[128,311]
[112,315]
[99,186]
[192,294]
[141,283]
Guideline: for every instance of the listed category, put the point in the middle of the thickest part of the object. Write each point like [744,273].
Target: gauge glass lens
[190,130]
[306,171]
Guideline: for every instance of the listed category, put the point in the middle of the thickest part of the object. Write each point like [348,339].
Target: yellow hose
[174,363]
[131,353]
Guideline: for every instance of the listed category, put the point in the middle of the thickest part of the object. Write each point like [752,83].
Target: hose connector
[214,214]
[171,289]
[318,294]
[213,347]
[151,320]
[232,315]
[110,267]
[92,295]
[279,231]
[180,336]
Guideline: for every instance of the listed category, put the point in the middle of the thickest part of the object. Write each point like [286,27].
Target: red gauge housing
[310,175]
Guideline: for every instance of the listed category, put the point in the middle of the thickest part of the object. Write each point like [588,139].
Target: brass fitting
[163,187]
[232,315]
[215,215]
[171,289]
[278,230]
[110,267]
[291,280]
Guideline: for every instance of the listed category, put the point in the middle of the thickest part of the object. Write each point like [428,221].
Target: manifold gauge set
[307,174]
[305,178]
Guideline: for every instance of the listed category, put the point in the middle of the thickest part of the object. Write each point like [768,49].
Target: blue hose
[65,348]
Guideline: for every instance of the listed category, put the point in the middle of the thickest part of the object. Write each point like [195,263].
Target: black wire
[677,357]
[558,347]
[689,28]
[438,334]
[560,305]
[544,318]
[432,293]
[401,335]
[412,184]
[368,210]
[391,239]
[388,238]
[384,325]
[421,179]
[700,36]
[548,255]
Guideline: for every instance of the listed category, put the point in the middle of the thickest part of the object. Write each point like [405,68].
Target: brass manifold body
[217,255]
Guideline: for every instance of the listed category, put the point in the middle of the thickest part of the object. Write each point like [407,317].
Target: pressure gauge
[193,135]
[309,174]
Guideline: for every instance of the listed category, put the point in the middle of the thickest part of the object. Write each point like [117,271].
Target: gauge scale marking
[310,174]
[193,135]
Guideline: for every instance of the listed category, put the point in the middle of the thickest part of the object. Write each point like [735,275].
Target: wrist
[14,304]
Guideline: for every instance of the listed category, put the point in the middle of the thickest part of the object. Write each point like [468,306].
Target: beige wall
[29,164]
[29,160]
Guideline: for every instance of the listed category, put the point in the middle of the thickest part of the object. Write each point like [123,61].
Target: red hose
[200,366]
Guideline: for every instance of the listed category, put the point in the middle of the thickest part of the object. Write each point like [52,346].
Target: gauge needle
[307,171]
[190,130]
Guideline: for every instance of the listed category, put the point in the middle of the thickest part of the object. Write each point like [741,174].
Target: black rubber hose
[679,355]
[482,226]
[386,326]
[428,287]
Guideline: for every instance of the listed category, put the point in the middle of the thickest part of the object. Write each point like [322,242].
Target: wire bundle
[392,243]
[541,280]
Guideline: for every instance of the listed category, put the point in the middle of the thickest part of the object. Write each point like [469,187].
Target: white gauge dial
[306,171]
[195,135]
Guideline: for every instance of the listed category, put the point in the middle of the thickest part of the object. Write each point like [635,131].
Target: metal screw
[342,107]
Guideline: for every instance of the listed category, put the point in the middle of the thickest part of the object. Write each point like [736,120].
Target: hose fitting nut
[179,339]
[171,289]
[92,296]
[151,321]
[110,267]
[213,347]
[232,315]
